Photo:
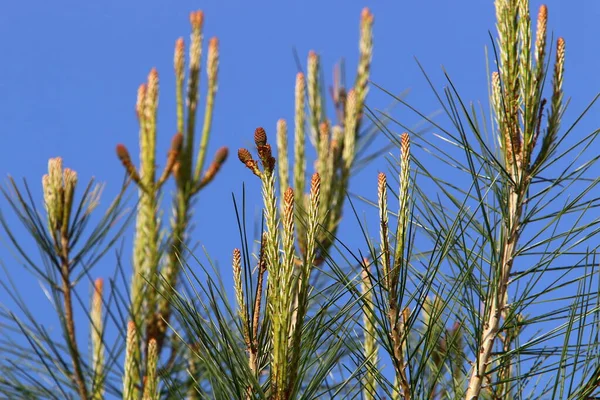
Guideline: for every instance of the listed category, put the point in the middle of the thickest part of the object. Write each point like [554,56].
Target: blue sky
[70,71]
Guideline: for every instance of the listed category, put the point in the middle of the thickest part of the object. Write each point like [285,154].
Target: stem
[78,378]
[253,343]
[504,372]
[175,257]
[369,343]
[398,356]
[499,298]
[257,304]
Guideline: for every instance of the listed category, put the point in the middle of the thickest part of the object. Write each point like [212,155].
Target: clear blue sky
[70,70]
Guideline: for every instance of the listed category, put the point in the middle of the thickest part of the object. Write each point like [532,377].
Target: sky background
[70,71]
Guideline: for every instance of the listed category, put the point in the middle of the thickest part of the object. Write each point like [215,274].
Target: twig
[78,378]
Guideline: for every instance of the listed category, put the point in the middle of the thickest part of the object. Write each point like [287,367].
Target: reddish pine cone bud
[177,142]
[221,155]
[260,137]
[244,156]
[264,152]
[123,154]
